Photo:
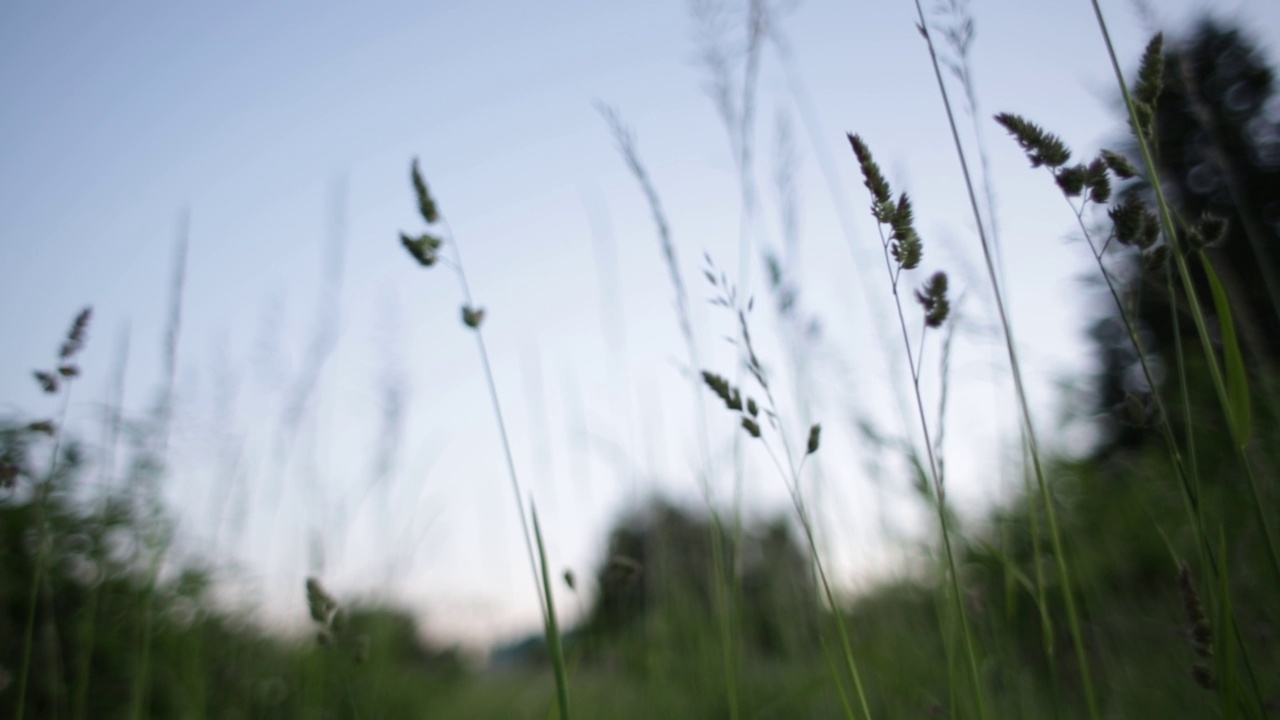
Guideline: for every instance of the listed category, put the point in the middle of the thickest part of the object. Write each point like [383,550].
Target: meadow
[1139,578]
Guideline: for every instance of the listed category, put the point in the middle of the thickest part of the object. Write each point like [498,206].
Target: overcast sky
[283,132]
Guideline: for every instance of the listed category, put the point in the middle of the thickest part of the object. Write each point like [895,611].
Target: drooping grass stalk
[1234,399]
[425,249]
[1033,444]
[553,628]
[624,137]
[751,414]
[818,139]
[902,250]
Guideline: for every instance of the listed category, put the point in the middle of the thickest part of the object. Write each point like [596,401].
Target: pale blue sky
[118,117]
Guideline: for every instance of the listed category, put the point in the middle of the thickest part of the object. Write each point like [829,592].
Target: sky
[331,414]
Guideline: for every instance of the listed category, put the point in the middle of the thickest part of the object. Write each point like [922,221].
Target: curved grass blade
[552,629]
[1241,412]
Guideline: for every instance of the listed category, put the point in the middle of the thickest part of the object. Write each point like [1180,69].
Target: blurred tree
[1218,151]
[658,572]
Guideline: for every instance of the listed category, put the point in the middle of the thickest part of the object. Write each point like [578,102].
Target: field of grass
[1140,579]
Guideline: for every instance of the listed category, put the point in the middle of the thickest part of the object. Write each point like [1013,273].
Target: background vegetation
[1138,580]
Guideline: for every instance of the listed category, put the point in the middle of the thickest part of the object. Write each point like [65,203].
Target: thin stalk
[159,439]
[725,593]
[846,648]
[1019,387]
[938,492]
[516,492]
[553,628]
[111,439]
[791,479]
[831,665]
[1188,483]
[39,499]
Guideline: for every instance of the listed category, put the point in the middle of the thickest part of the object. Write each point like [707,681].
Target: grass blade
[1239,408]
[553,628]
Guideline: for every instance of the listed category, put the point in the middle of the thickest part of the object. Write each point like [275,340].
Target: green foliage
[658,572]
[206,660]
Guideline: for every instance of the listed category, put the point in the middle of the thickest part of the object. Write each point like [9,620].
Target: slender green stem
[39,500]
[938,490]
[553,627]
[516,492]
[726,590]
[1073,618]
[791,478]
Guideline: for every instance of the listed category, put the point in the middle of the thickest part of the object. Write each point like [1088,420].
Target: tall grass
[903,250]
[1150,631]
[56,381]
[425,249]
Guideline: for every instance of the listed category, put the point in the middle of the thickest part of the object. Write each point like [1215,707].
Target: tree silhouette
[658,569]
[1218,152]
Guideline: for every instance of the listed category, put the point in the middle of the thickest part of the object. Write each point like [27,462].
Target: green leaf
[552,626]
[1237,382]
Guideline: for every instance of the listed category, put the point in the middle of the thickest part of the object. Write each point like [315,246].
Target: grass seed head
[1199,631]
[1098,182]
[1209,231]
[425,248]
[1042,148]
[44,427]
[1072,179]
[1119,165]
[426,204]
[1129,217]
[815,433]
[472,316]
[319,602]
[1197,622]
[1155,259]
[48,381]
[1151,73]
[906,247]
[933,298]
[881,195]
[1146,92]
[720,386]
[76,336]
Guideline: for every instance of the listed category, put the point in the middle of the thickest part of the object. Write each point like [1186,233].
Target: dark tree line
[1218,151]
